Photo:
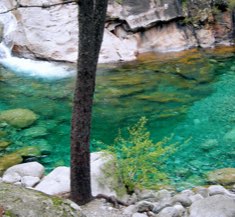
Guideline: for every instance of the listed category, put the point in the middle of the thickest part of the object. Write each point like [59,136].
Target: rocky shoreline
[201,201]
[132,27]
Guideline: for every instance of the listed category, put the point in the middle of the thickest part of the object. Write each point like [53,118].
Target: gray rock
[144,206]
[204,192]
[187,192]
[183,199]
[161,205]
[56,182]
[196,197]
[169,212]
[217,189]
[146,195]
[163,195]
[130,210]
[214,206]
[26,169]
[11,178]
[181,210]
[29,181]
[139,215]
[102,179]
[22,202]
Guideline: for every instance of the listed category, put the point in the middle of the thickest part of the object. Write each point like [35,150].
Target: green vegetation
[119,1]
[139,160]
[231,4]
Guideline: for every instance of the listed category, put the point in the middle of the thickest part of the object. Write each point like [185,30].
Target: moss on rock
[9,160]
[21,202]
[225,176]
[19,118]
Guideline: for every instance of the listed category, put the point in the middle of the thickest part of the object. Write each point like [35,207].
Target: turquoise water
[189,96]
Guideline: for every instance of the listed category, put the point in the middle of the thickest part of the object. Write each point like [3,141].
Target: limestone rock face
[132,27]
[21,202]
[145,13]
[215,206]
[53,33]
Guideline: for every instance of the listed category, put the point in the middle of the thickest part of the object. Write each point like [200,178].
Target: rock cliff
[132,27]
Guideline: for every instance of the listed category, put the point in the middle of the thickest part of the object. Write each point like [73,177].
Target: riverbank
[201,201]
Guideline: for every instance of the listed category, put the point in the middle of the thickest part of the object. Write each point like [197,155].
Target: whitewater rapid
[34,68]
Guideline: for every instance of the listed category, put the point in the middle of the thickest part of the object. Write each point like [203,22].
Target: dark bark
[91,26]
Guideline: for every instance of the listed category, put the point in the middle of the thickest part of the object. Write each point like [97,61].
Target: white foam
[28,67]
[38,69]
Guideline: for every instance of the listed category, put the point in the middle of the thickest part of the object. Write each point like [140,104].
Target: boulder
[32,169]
[4,145]
[19,118]
[225,176]
[230,136]
[11,178]
[144,206]
[29,151]
[56,182]
[34,132]
[103,178]
[214,206]
[29,181]
[9,160]
[183,199]
[217,189]
[168,212]
[209,144]
[21,202]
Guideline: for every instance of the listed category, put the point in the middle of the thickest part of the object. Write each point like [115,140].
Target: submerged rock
[9,160]
[225,176]
[4,144]
[230,136]
[35,132]
[29,151]
[21,202]
[19,118]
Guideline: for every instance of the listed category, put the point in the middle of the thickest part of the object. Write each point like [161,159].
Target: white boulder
[29,181]
[56,182]
[34,169]
[11,178]
[214,206]
[101,183]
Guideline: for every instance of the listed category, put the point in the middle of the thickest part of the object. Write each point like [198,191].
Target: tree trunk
[91,26]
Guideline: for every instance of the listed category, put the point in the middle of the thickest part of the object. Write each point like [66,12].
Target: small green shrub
[138,159]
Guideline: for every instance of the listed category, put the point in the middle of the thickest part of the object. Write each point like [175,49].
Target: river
[188,96]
